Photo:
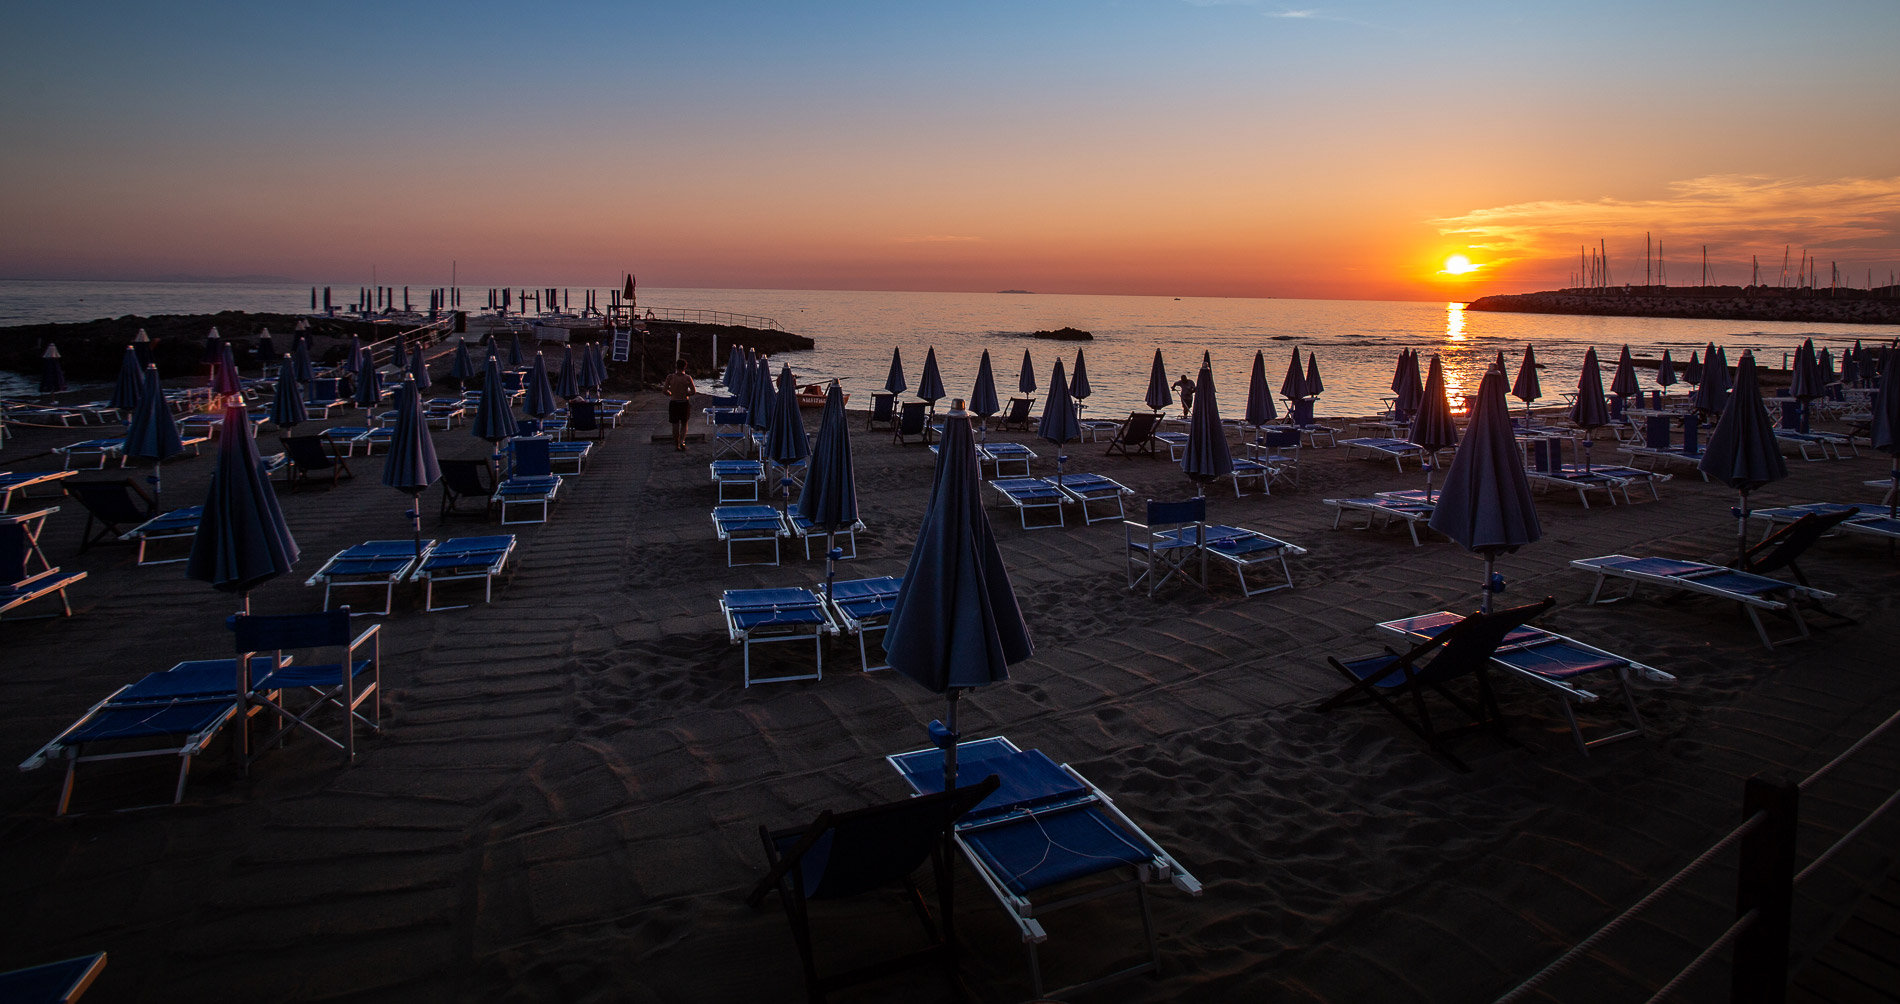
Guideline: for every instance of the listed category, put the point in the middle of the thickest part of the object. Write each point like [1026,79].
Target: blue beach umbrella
[305,369]
[494,350]
[462,367]
[1666,372]
[125,391]
[287,409]
[538,402]
[142,345]
[1059,423]
[1623,381]
[225,381]
[52,374]
[266,349]
[1079,381]
[419,369]
[242,539]
[760,396]
[568,382]
[354,361]
[514,352]
[1026,378]
[410,466]
[1293,386]
[369,382]
[785,441]
[983,401]
[894,380]
[494,419]
[1314,385]
[152,434]
[1159,396]
[598,378]
[1260,408]
[830,498]
[1805,382]
[214,349]
[1207,457]
[1742,452]
[1433,428]
[1692,371]
[930,385]
[730,376]
[1527,388]
[1711,395]
[1411,390]
[1589,413]
[1486,502]
[955,624]
[1885,428]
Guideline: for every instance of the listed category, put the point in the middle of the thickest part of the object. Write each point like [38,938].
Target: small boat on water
[812,395]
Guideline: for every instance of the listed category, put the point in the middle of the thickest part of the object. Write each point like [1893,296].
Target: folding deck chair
[1397,450]
[738,480]
[1031,494]
[759,616]
[735,524]
[847,854]
[1137,434]
[32,525]
[179,524]
[1754,593]
[345,684]
[176,712]
[324,397]
[19,483]
[1555,663]
[1167,539]
[52,983]
[463,559]
[116,506]
[883,409]
[1279,449]
[731,436]
[311,458]
[375,564]
[18,586]
[1086,489]
[1045,841]
[1656,445]
[584,416]
[1017,416]
[465,479]
[911,422]
[1384,511]
[863,606]
[1462,648]
[1000,453]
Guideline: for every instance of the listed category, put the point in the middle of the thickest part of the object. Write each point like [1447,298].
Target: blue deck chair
[847,854]
[911,422]
[345,683]
[52,983]
[1018,416]
[531,457]
[179,524]
[375,564]
[21,482]
[465,479]
[737,480]
[464,559]
[324,396]
[732,436]
[883,409]
[1279,449]
[18,587]
[736,524]
[863,607]
[174,713]
[1463,648]
[1031,495]
[1047,840]
[1169,539]
[1095,490]
[760,616]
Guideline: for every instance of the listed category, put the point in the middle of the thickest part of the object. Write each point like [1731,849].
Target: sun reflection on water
[1454,322]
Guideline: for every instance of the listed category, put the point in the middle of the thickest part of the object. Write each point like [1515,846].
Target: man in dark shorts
[1185,387]
[679,389]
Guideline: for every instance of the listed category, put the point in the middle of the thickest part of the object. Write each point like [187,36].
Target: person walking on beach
[679,389]
[1185,386]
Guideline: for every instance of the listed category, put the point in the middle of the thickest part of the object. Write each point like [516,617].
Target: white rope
[1742,923]
[1850,751]
[1847,838]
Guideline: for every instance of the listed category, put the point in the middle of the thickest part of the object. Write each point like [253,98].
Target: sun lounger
[758,616]
[535,494]
[1094,489]
[1000,453]
[1384,511]
[1252,472]
[1046,829]
[325,397]
[803,529]
[734,524]
[1553,662]
[100,449]
[567,457]
[53,983]
[1094,429]
[463,559]
[1028,494]
[737,480]
[348,437]
[1245,549]
[864,606]
[20,482]
[1397,450]
[1886,484]
[31,525]
[1754,593]
[1176,442]
[1824,443]
[176,712]
[376,564]
[179,524]
[19,544]
[445,415]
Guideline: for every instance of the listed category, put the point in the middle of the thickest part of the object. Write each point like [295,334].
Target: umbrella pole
[1490,562]
[1741,534]
[1893,494]
[831,569]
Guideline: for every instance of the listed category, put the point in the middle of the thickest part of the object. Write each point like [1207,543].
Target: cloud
[936,239]
[1316,14]
[1841,219]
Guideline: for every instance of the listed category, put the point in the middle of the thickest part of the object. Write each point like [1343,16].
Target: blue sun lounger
[737,480]
[734,524]
[103,449]
[1085,489]
[1028,494]
[1754,593]
[536,493]
[463,559]
[758,616]
[1398,450]
[176,712]
[864,606]
[1554,662]
[179,524]
[1245,549]
[1385,511]
[1868,521]
[1253,471]
[1046,829]
[1176,442]
[802,528]
[17,482]
[376,564]
[1000,453]
[52,983]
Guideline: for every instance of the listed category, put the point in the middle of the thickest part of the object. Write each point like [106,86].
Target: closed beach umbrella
[830,498]
[1293,386]
[152,434]
[1711,394]
[759,409]
[1885,428]
[1623,381]
[1666,371]
[214,349]
[1159,396]
[1433,428]
[1260,409]
[52,374]
[1079,381]
[266,348]
[1486,503]
[1314,385]
[1500,364]
[494,420]
[1398,371]
[1742,452]
[514,352]
[568,382]
[894,380]
[1825,360]
[125,391]
[369,382]
[462,367]
[955,624]
[242,539]
[1026,379]
[142,345]
[419,369]
[785,441]
[1692,370]
[538,402]
[930,385]
[1411,391]
[1207,457]
[1527,388]
[224,380]
[305,369]
[1058,423]
[594,372]
[410,466]
[1806,383]
[1589,413]
[735,361]
[354,361]
[287,409]
[983,401]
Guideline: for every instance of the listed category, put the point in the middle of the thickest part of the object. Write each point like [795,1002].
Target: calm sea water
[1357,340]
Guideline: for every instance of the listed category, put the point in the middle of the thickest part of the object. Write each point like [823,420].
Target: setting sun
[1459,265]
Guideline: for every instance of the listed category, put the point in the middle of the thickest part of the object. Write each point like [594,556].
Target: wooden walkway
[1862,963]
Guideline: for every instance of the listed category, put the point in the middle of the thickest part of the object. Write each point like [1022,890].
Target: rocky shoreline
[1722,303]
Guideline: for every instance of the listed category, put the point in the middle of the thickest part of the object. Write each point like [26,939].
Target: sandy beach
[564,803]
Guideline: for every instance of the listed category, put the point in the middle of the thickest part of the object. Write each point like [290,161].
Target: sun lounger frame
[1385,511]
[1605,567]
[331,577]
[538,492]
[178,524]
[1373,448]
[802,529]
[1085,488]
[865,614]
[772,631]
[12,484]
[743,523]
[1000,453]
[1244,549]
[448,562]
[1028,494]
[730,477]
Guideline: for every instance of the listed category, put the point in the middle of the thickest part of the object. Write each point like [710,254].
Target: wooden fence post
[1765,883]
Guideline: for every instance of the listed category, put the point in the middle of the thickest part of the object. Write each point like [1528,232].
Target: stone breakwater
[1816,306]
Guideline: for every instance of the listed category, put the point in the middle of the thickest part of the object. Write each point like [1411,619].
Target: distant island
[1064,335]
[1880,305]
[1015,291]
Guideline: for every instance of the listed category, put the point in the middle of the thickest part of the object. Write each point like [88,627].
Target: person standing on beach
[679,389]
[1185,387]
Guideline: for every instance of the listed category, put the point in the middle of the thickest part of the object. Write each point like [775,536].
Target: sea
[1356,341]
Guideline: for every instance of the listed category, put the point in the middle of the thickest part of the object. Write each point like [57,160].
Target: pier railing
[694,316]
[1764,893]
